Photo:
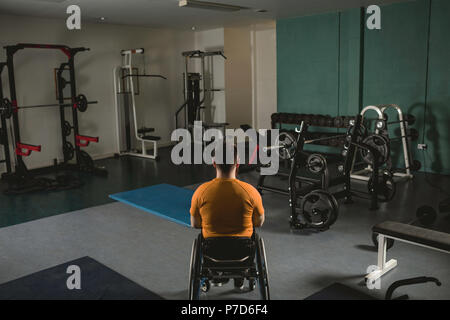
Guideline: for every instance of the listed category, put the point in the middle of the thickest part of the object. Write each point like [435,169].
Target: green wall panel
[349,63]
[307,68]
[318,69]
[396,63]
[437,116]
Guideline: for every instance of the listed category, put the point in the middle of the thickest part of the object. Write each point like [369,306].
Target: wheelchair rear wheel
[194,272]
[261,265]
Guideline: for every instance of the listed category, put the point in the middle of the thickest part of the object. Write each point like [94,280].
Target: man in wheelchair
[227,210]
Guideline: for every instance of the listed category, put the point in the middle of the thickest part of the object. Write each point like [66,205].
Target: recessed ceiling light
[209,5]
[193,28]
[102,18]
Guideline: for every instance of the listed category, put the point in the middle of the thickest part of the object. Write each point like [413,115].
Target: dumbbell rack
[364,174]
[83,161]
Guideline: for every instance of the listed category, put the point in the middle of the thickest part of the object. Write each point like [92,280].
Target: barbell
[286,144]
[81,103]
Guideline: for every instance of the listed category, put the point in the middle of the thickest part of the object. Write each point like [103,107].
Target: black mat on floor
[338,291]
[98,282]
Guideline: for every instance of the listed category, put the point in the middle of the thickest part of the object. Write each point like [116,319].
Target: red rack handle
[79,140]
[28,147]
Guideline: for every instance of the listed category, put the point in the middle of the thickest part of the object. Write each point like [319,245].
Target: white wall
[264,74]
[35,79]
[251,74]
[238,76]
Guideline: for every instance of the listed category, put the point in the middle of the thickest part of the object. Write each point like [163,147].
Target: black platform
[98,282]
[339,291]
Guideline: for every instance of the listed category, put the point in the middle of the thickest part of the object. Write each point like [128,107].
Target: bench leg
[383,266]
[155,150]
[144,149]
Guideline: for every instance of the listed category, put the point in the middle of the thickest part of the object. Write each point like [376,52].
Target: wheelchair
[225,258]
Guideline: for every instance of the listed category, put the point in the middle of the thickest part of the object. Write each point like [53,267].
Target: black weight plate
[82,103]
[69,151]
[319,209]
[410,119]
[415,165]
[378,142]
[7,109]
[290,145]
[426,215]
[338,122]
[386,187]
[361,133]
[316,163]
[67,129]
[413,134]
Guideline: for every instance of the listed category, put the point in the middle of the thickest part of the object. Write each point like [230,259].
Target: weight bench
[418,236]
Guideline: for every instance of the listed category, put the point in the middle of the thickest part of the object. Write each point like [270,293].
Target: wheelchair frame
[256,271]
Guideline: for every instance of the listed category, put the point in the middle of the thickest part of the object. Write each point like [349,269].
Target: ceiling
[166,13]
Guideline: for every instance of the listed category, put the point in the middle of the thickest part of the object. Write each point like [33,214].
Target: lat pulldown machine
[195,93]
[124,85]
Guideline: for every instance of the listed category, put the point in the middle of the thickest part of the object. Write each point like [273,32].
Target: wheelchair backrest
[228,248]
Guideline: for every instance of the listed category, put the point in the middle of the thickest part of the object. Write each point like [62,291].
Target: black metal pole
[61,108]
[361,57]
[21,168]
[4,132]
[73,93]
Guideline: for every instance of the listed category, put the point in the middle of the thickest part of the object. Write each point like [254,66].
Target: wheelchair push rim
[261,264]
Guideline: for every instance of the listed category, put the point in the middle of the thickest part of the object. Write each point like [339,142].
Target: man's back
[226,207]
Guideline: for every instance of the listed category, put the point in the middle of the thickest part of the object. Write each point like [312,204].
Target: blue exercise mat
[164,200]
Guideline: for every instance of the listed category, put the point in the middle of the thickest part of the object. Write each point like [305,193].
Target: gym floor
[66,225]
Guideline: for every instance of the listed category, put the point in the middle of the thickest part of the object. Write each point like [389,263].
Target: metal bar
[49,105]
[275,190]
[20,165]
[145,75]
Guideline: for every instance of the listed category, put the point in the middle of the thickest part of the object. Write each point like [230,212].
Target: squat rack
[83,161]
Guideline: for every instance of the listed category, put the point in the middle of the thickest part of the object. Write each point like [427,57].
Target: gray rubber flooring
[155,252]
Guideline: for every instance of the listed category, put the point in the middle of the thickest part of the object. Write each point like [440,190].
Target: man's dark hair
[221,158]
